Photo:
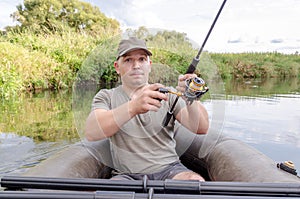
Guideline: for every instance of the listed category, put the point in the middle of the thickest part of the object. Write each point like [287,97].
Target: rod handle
[192,67]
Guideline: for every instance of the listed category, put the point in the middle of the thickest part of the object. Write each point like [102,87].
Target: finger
[153,108]
[151,105]
[186,76]
[155,102]
[159,96]
[180,89]
[181,78]
[181,83]
[155,86]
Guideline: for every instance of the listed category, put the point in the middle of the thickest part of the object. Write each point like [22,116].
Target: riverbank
[31,62]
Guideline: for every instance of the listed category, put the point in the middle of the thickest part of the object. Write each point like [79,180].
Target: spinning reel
[194,89]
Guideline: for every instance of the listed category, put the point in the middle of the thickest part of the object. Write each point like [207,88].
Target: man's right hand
[147,98]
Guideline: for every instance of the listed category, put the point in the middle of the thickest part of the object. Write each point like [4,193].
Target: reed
[38,62]
[30,62]
[257,65]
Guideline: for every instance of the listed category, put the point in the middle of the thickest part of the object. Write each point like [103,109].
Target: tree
[170,40]
[57,15]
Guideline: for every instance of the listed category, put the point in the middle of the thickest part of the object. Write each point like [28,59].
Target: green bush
[56,60]
[32,62]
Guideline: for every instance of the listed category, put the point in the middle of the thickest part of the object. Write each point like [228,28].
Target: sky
[243,26]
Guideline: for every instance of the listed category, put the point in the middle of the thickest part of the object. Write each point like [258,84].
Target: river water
[264,114]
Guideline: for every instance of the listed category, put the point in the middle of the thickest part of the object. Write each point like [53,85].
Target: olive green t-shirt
[142,145]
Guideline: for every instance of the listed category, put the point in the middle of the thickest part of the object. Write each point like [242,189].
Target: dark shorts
[168,173]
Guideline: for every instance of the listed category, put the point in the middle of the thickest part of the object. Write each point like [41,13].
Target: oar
[142,186]
[115,195]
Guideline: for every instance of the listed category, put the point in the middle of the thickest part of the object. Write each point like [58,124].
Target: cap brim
[132,49]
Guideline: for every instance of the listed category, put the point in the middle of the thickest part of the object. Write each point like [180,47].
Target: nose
[136,64]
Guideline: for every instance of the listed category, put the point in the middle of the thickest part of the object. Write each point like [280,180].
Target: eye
[143,59]
[127,60]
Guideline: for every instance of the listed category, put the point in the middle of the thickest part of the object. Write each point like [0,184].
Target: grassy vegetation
[257,65]
[52,61]
[33,62]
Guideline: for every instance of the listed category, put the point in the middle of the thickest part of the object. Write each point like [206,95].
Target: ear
[116,65]
[150,65]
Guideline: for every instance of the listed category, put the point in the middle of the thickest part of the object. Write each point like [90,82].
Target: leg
[188,175]
[177,171]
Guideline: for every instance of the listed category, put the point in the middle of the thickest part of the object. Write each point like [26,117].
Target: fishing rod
[196,59]
[168,186]
[195,87]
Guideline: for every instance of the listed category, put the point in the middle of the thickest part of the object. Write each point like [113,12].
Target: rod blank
[195,61]
[115,195]
[167,186]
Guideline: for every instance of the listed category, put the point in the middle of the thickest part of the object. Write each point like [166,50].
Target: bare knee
[188,175]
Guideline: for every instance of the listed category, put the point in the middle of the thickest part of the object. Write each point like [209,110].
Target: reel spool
[195,88]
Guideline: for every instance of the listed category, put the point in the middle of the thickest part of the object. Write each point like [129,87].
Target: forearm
[102,123]
[195,118]
[105,123]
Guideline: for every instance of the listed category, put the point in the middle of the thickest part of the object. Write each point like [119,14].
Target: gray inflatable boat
[214,156]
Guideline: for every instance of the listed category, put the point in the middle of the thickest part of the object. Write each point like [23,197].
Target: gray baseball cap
[133,43]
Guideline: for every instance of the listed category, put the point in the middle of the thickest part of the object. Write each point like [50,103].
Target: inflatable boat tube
[214,156]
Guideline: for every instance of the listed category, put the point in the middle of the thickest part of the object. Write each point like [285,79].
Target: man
[131,116]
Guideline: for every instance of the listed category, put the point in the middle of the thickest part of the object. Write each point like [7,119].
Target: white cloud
[7,7]
[252,24]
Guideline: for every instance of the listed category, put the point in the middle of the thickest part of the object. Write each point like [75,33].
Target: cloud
[242,24]
[7,7]
[277,41]
[234,41]
[251,23]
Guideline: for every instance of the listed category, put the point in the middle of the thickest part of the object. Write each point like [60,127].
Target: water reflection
[32,127]
[265,114]
[262,87]
[274,119]
[44,116]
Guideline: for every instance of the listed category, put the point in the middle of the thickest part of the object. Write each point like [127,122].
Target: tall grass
[52,61]
[32,62]
[257,65]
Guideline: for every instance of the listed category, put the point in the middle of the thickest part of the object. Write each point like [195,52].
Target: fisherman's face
[134,68]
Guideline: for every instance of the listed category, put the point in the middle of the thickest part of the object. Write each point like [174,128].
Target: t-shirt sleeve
[102,100]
